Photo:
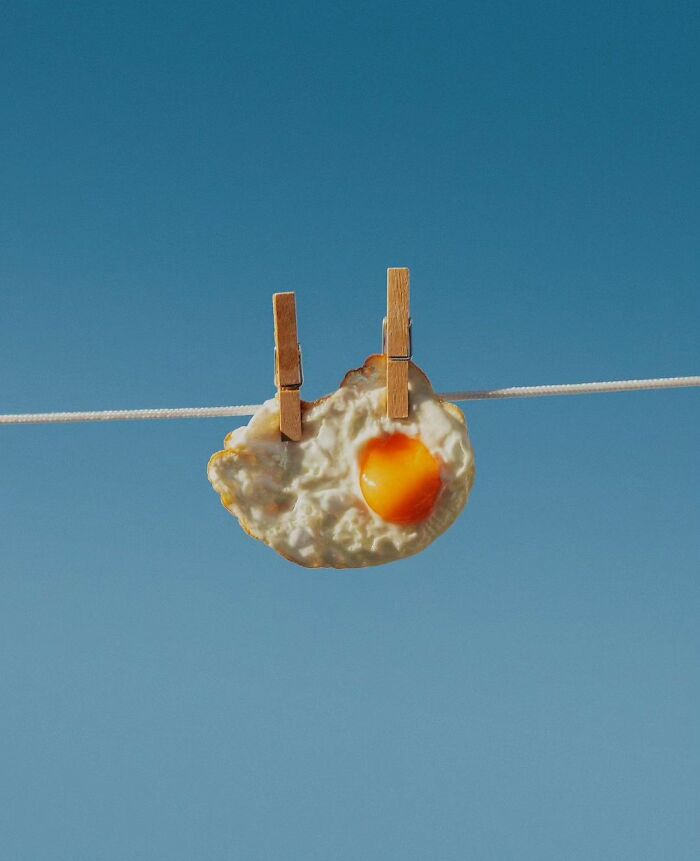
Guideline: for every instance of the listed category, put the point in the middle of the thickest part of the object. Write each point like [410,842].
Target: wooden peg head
[397,346]
[288,371]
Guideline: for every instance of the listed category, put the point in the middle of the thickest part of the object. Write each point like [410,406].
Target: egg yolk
[400,478]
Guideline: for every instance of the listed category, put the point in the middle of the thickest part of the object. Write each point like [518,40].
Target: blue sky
[527,687]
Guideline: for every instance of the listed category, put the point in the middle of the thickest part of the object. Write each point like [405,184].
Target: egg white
[304,498]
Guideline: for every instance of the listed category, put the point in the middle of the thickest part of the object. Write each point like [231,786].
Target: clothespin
[288,371]
[397,341]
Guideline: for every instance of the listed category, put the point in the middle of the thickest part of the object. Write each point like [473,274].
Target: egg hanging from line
[359,488]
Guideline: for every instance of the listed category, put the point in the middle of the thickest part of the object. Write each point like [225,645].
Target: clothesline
[250,409]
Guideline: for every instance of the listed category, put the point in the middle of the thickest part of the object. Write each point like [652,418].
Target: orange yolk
[400,478]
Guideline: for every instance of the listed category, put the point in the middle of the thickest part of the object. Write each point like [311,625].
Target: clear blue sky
[529,687]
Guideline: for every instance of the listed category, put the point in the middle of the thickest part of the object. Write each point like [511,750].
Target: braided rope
[250,409]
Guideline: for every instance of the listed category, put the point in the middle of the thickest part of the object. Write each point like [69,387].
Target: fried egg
[360,488]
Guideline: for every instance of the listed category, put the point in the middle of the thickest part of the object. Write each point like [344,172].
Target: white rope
[575,389]
[128,415]
[250,409]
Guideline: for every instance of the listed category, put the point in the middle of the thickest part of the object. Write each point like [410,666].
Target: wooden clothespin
[288,371]
[397,341]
